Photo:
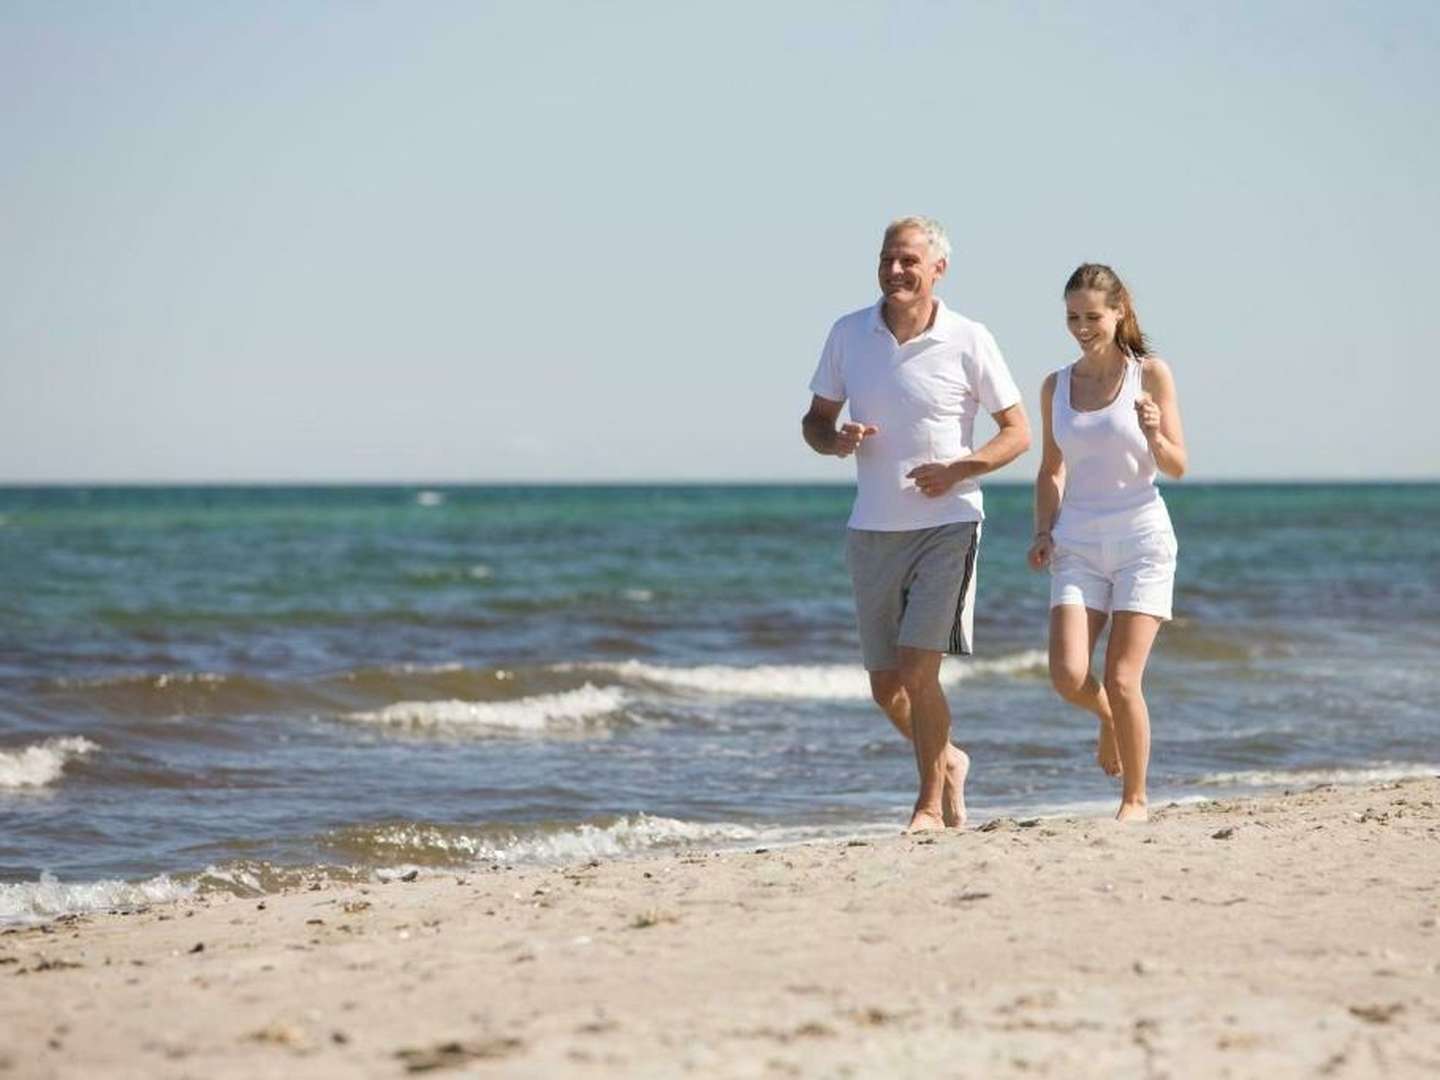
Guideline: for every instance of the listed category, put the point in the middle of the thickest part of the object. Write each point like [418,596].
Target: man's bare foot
[925,821]
[1133,811]
[957,767]
[1107,750]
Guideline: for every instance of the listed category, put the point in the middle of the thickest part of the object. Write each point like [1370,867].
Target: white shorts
[1134,573]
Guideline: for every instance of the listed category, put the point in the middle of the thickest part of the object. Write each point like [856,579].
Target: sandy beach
[1286,935]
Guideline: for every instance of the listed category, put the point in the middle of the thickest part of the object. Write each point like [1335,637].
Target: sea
[244,689]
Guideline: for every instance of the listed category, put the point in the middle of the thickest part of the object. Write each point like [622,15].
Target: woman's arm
[1049,483]
[1158,409]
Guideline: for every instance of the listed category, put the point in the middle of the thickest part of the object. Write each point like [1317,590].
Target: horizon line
[6,484]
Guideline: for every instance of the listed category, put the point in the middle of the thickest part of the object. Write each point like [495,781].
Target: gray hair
[933,230]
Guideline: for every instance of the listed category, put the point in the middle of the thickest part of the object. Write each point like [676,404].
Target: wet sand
[1285,935]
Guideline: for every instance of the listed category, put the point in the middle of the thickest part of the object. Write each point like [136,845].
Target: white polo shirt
[923,397]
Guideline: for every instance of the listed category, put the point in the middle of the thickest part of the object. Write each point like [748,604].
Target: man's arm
[1012,440]
[820,432]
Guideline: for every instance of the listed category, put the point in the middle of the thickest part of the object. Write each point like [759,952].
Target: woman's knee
[1123,684]
[1068,679]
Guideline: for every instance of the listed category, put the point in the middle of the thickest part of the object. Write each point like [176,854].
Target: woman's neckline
[1070,388]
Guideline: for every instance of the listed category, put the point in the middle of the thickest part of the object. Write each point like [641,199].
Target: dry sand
[1280,936]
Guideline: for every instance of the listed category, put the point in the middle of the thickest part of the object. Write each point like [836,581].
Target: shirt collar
[941,328]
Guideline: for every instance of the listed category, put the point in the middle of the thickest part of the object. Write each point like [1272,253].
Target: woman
[1111,421]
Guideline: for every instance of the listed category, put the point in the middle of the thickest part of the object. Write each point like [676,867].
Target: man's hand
[848,437]
[935,480]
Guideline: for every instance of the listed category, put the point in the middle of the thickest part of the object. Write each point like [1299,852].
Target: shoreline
[227,879]
[256,879]
[1284,934]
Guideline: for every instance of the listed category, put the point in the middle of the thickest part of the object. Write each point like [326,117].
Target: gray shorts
[914,588]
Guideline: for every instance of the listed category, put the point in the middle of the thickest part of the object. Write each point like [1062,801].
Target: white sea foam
[1373,773]
[430,498]
[159,681]
[41,765]
[572,709]
[237,876]
[40,901]
[626,836]
[830,682]
[441,668]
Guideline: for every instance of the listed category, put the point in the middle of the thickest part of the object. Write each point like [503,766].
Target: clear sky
[505,241]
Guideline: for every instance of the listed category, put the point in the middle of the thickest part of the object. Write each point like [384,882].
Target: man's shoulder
[965,330]
[858,321]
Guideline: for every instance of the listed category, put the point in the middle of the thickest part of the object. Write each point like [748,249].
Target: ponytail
[1128,335]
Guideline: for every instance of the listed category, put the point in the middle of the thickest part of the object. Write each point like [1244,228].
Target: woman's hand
[1148,413]
[1041,549]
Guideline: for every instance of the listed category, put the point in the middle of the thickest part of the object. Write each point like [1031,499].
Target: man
[915,373]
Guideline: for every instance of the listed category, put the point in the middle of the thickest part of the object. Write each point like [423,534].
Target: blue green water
[259,682]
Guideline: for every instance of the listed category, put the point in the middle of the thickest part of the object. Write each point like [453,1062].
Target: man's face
[908,268]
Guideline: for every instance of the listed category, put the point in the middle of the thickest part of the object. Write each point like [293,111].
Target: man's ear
[941,265]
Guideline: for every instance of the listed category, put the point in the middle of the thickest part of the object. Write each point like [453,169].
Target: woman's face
[1091,319]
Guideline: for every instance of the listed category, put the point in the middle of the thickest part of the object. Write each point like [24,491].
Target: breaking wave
[454,845]
[41,765]
[571,710]
[31,902]
[1375,773]
[824,681]
[416,843]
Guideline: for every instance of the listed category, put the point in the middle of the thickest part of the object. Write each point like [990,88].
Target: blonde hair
[933,230]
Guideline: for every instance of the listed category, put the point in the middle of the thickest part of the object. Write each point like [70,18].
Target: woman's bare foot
[925,821]
[957,767]
[1107,750]
[1133,810]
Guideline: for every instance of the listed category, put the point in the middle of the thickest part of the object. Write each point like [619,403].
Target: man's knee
[887,689]
[919,671]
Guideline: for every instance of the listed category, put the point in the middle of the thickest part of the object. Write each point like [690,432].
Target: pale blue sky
[476,242]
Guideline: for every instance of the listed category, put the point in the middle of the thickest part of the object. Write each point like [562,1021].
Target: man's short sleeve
[994,385]
[829,378]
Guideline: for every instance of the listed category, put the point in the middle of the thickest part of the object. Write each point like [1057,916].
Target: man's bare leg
[930,722]
[1073,633]
[1125,657]
[889,693]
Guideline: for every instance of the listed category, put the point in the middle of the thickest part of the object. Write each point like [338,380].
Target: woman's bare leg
[1074,630]
[1126,655]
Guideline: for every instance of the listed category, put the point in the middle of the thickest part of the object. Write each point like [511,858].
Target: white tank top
[1110,490]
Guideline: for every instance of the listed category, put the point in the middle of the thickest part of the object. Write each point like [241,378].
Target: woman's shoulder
[1048,385]
[1155,373]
